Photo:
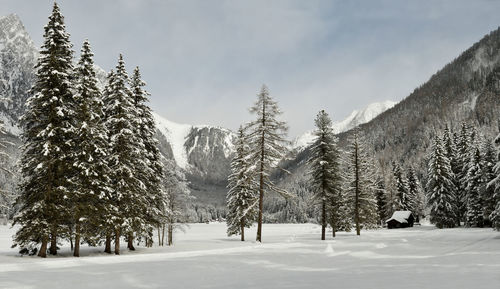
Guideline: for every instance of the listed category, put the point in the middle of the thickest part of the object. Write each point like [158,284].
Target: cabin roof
[400,216]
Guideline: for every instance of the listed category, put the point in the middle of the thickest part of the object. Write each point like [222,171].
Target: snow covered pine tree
[127,202]
[91,172]
[440,188]
[403,199]
[325,173]
[487,197]
[149,167]
[475,186]
[241,198]
[49,136]
[415,194]
[495,184]
[361,183]
[267,146]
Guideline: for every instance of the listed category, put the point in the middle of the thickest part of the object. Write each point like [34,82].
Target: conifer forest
[98,187]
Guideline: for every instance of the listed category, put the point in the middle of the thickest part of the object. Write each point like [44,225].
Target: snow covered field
[290,257]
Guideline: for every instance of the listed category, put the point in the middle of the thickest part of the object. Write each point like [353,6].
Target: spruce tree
[49,137]
[495,186]
[127,201]
[391,199]
[148,164]
[489,160]
[241,198]
[415,194]
[267,146]
[475,186]
[463,157]
[452,147]
[325,173]
[403,198]
[361,183]
[90,179]
[107,226]
[381,200]
[440,188]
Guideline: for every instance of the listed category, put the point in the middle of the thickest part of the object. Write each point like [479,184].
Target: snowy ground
[290,257]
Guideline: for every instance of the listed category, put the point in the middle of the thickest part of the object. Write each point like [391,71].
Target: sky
[205,61]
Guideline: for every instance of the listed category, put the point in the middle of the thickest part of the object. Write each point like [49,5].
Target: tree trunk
[323,218]
[170,229]
[117,241]
[70,227]
[53,242]
[261,199]
[356,204]
[159,235]
[43,248]
[130,241]
[333,228]
[261,183]
[163,235]
[107,249]
[242,229]
[76,252]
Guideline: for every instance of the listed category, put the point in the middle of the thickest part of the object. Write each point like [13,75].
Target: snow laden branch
[267,146]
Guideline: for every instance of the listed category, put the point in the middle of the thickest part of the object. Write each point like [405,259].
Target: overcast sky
[205,61]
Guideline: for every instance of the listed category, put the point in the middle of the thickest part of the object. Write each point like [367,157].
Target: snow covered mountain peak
[192,145]
[13,34]
[17,59]
[176,135]
[363,116]
[357,117]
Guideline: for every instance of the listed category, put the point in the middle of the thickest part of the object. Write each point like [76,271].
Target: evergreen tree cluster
[325,174]
[91,167]
[406,193]
[343,186]
[461,186]
[260,146]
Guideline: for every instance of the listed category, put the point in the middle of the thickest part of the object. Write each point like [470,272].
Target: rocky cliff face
[467,89]
[17,59]
[204,152]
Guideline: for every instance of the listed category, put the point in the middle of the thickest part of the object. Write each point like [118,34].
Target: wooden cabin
[400,219]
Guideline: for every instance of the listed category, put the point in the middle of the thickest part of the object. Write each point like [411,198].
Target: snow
[292,256]
[360,117]
[9,125]
[354,119]
[480,59]
[400,216]
[176,135]
[471,101]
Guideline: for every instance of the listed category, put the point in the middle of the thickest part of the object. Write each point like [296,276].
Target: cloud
[204,61]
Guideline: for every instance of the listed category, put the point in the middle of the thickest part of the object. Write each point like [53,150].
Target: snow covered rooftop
[400,216]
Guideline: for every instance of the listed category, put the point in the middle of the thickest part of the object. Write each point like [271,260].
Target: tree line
[347,190]
[464,179]
[92,172]
[344,185]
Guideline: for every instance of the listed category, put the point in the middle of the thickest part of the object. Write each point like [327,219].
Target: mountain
[465,90]
[17,58]
[203,152]
[356,118]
